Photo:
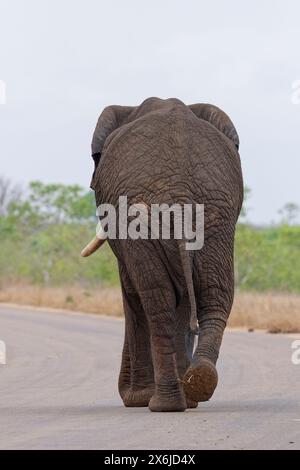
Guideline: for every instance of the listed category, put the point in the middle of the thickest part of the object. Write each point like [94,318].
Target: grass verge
[275,312]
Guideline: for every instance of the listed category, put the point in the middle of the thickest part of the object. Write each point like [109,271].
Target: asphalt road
[59,391]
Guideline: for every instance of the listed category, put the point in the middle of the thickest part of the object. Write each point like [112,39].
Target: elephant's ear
[217,118]
[110,119]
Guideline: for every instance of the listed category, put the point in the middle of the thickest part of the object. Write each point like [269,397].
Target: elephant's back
[169,156]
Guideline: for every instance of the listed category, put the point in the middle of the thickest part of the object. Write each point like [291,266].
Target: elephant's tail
[187,271]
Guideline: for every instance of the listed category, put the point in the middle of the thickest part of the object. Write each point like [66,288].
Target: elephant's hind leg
[125,372]
[160,310]
[136,379]
[214,285]
[157,297]
[200,381]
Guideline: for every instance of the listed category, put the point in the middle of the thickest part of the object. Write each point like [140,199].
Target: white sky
[64,60]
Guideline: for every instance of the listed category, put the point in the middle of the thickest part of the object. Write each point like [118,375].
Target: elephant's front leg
[136,379]
[159,305]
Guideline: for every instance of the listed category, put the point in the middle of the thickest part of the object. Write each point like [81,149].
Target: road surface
[59,390]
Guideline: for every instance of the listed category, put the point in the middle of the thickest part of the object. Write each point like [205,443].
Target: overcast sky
[64,60]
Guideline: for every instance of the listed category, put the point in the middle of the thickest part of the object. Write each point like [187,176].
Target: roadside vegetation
[44,227]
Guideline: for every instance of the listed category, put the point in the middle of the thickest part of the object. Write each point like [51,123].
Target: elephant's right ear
[110,119]
[218,119]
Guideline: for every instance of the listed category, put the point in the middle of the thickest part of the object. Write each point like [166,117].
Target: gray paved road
[59,391]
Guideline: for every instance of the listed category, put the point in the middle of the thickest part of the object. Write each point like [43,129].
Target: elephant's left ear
[217,118]
[110,119]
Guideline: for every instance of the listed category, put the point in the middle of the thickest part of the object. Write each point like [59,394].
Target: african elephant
[164,151]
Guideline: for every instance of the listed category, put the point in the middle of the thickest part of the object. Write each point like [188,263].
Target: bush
[44,230]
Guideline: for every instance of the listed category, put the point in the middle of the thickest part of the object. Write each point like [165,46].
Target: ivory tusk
[91,247]
[95,243]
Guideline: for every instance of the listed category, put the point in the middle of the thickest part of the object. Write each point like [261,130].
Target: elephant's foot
[123,390]
[200,381]
[138,397]
[168,400]
[191,403]
[158,403]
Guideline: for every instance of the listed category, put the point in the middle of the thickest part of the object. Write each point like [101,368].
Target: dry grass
[271,311]
[276,312]
[103,300]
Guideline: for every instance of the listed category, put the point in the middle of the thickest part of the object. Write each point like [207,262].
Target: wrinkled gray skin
[166,152]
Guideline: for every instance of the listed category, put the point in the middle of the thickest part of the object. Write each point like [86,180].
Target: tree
[244,210]
[61,203]
[43,204]
[289,213]
[9,193]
